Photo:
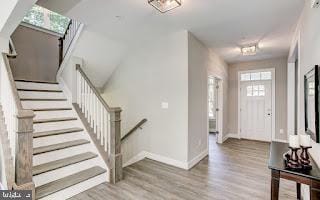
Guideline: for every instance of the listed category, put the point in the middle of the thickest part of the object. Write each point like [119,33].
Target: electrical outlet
[281,131]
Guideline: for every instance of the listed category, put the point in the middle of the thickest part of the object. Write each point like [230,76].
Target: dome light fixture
[165,5]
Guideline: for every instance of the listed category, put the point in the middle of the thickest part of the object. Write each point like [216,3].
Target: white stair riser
[53,175]
[66,137]
[44,104]
[54,114]
[41,95]
[36,86]
[63,153]
[76,189]
[56,125]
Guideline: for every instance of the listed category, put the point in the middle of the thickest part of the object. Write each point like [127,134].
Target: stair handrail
[104,121]
[12,50]
[138,125]
[66,40]
[19,128]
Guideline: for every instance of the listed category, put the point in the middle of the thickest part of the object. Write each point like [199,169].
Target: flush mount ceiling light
[249,51]
[165,5]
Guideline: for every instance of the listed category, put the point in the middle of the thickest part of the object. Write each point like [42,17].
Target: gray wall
[38,54]
[280,65]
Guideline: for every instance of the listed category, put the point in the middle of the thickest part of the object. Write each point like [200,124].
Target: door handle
[269,114]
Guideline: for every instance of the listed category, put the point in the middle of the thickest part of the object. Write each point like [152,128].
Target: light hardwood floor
[236,170]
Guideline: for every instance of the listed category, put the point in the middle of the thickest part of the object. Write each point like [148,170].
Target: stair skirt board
[36,86]
[50,166]
[62,172]
[78,188]
[54,114]
[55,139]
[40,95]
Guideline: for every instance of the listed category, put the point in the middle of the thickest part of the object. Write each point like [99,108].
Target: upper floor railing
[103,120]
[19,130]
[66,41]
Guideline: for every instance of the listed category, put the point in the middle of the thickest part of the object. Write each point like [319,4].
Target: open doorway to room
[214,108]
[257,104]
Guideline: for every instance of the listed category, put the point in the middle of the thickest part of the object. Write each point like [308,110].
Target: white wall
[307,36]
[201,63]
[171,69]
[198,62]
[155,72]
[101,55]
[12,13]
[219,68]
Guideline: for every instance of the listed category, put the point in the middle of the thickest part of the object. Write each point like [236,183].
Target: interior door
[256,110]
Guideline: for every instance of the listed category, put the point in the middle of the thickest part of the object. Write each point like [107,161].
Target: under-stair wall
[38,54]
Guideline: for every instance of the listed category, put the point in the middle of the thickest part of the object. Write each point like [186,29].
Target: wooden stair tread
[39,169]
[38,90]
[56,132]
[35,81]
[39,121]
[31,99]
[68,181]
[59,146]
[50,109]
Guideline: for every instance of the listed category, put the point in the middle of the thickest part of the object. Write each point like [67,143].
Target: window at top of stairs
[46,19]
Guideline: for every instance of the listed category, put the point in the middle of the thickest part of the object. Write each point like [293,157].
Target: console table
[278,171]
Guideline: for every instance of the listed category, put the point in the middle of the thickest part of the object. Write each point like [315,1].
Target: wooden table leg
[299,191]
[275,183]
[315,190]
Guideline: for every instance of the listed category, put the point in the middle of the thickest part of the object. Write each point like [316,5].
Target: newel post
[24,151]
[115,145]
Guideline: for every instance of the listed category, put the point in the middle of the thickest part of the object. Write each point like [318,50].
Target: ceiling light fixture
[165,5]
[249,51]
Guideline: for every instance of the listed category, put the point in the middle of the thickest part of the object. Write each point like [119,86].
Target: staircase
[65,159]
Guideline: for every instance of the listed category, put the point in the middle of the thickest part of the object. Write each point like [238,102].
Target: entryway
[214,107]
[256,104]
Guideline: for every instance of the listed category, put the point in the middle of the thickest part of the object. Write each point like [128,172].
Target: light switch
[281,131]
[164,105]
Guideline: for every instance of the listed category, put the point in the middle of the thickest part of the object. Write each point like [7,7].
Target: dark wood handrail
[94,89]
[134,129]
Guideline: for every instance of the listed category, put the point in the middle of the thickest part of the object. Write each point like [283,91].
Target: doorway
[256,105]
[214,107]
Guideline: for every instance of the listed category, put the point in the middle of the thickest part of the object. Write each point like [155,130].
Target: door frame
[273,100]
[220,106]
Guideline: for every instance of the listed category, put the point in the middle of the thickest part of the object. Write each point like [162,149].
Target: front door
[256,110]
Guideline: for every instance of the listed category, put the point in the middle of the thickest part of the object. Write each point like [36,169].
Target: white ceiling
[223,25]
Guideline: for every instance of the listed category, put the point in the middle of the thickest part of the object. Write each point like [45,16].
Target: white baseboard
[137,158]
[198,158]
[278,140]
[166,160]
[169,161]
[230,135]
